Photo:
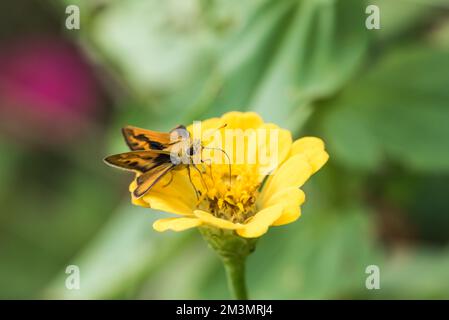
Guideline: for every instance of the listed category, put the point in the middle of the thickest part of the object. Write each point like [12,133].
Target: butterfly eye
[191,151]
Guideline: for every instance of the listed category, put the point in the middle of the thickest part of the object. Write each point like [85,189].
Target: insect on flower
[252,182]
[155,154]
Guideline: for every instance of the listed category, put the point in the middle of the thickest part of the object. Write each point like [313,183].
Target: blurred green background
[379,99]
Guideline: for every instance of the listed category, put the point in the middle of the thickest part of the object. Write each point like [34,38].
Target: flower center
[230,198]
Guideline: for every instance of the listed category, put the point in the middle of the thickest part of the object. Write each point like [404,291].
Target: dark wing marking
[139,161]
[139,139]
[147,180]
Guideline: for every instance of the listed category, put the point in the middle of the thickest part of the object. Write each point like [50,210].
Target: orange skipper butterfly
[154,154]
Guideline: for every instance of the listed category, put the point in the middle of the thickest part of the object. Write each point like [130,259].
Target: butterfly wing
[150,155]
[152,164]
[139,139]
[139,161]
[147,180]
[142,139]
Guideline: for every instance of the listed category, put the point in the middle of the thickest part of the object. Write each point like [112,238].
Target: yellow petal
[168,203]
[293,173]
[177,197]
[267,159]
[290,195]
[176,224]
[290,199]
[235,139]
[209,219]
[289,215]
[211,124]
[313,149]
[259,224]
[139,202]
[207,126]
[242,120]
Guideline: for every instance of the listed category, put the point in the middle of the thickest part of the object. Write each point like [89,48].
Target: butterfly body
[154,154]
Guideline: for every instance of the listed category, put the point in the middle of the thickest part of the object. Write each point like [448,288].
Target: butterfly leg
[191,182]
[229,163]
[170,181]
[201,175]
[210,168]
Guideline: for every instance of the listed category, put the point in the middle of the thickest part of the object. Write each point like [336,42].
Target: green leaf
[166,52]
[124,253]
[398,111]
[319,52]
[274,57]
[248,53]
[402,16]
[416,274]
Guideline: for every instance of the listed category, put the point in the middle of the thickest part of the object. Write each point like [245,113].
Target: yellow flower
[248,202]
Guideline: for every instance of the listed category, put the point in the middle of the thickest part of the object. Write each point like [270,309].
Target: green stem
[232,250]
[235,273]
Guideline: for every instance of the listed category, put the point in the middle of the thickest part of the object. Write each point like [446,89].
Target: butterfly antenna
[229,162]
[219,128]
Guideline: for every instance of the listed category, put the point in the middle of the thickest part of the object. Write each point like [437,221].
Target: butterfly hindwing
[147,180]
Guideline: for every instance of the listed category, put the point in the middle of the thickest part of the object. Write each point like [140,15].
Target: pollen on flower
[232,199]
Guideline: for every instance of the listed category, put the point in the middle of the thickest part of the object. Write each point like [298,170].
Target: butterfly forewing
[142,139]
[139,139]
